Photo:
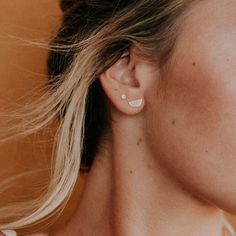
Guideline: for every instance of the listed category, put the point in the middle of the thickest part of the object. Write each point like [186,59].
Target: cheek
[192,129]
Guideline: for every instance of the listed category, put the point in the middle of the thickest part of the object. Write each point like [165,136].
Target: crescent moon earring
[133,103]
[136,103]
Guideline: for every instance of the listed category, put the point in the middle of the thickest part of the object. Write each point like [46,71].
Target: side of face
[191,126]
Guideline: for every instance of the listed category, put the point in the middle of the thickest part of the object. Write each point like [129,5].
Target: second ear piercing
[123,96]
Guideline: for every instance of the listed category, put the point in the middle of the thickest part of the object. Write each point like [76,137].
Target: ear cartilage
[136,103]
[123,96]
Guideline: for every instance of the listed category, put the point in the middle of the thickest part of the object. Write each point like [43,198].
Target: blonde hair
[93,35]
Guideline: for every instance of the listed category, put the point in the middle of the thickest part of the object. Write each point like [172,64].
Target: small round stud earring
[123,96]
[136,103]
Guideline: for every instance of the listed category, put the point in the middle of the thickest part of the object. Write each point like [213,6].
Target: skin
[168,166]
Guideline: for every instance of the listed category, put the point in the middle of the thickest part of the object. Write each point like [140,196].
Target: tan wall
[22,67]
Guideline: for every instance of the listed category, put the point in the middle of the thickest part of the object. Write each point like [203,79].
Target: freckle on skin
[194,63]
[139,141]
[173,122]
[130,171]
[206,150]
[149,167]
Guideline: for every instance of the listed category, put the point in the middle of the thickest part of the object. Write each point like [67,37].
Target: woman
[146,93]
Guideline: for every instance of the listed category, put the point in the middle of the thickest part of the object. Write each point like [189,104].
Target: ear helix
[133,103]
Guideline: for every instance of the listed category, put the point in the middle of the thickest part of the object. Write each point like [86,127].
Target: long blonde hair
[93,35]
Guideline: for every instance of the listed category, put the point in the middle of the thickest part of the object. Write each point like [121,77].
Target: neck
[128,193]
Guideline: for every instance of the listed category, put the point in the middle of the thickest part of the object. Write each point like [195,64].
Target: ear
[124,83]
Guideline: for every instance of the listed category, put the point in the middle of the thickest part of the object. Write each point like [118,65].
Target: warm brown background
[22,67]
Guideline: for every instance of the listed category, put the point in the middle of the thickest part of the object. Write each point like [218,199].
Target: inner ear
[121,70]
[124,59]
[131,57]
[125,54]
